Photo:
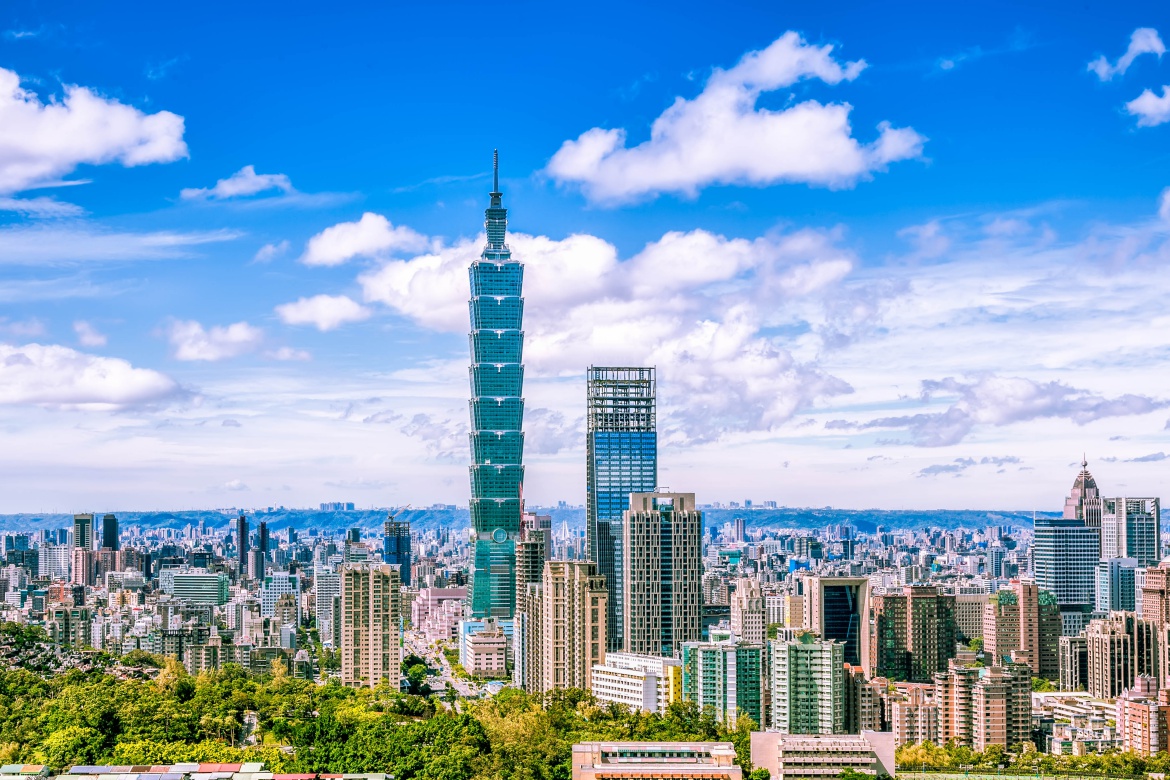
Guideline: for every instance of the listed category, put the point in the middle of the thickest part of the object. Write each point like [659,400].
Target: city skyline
[883,304]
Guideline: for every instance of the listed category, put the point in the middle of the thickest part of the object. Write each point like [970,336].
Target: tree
[1041,685]
[416,680]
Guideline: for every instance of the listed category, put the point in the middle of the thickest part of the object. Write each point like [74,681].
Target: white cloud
[325,312]
[41,142]
[998,401]
[1150,109]
[289,353]
[370,236]
[270,252]
[41,208]
[88,335]
[58,377]
[191,341]
[235,485]
[46,245]
[1164,205]
[720,137]
[242,183]
[712,298]
[22,329]
[1144,40]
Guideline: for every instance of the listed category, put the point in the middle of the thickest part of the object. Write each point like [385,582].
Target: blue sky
[911,258]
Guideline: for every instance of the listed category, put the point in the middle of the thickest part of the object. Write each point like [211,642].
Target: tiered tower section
[497,415]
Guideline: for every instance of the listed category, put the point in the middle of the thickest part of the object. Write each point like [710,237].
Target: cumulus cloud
[191,341]
[325,312]
[236,485]
[713,298]
[721,137]
[1144,40]
[41,142]
[22,329]
[241,184]
[998,401]
[230,423]
[55,376]
[1153,457]
[370,236]
[1150,109]
[88,335]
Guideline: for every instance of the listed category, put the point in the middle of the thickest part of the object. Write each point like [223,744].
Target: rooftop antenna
[495,170]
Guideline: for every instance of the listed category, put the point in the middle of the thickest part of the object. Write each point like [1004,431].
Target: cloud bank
[721,137]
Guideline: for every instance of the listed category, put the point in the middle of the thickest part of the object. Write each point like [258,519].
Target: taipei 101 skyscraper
[497,415]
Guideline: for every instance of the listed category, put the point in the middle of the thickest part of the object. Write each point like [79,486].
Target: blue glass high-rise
[497,416]
[622,458]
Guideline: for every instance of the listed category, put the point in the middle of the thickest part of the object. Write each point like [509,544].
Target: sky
[881,258]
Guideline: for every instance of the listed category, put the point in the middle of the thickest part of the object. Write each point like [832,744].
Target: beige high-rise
[370,604]
[662,595]
[1002,707]
[748,613]
[573,604]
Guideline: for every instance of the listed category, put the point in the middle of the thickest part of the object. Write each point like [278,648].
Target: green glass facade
[497,416]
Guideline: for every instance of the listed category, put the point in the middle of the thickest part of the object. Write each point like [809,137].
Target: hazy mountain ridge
[336,523]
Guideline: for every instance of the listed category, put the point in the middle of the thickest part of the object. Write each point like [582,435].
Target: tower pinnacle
[495,194]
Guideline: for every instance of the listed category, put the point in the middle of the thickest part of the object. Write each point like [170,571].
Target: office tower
[396,547]
[83,531]
[739,533]
[1074,663]
[748,613]
[662,573]
[370,615]
[914,633]
[808,684]
[646,683]
[1002,712]
[1084,501]
[621,451]
[242,545]
[533,550]
[262,538]
[725,679]
[1022,624]
[995,557]
[110,532]
[200,587]
[497,415]
[1065,556]
[838,608]
[1116,585]
[352,535]
[573,624]
[327,587]
[1129,529]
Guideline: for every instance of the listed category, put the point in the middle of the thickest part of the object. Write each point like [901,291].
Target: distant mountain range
[336,523]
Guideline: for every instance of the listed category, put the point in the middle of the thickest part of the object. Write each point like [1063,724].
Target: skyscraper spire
[497,415]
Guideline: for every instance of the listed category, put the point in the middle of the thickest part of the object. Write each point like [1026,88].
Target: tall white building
[1129,529]
[326,587]
[748,612]
[54,561]
[277,584]
[641,682]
